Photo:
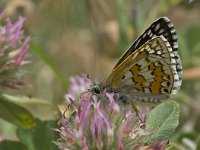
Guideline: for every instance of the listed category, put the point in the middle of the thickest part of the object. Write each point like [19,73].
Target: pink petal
[23,51]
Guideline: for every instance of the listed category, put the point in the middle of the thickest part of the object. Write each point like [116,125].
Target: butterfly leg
[126,100]
[137,114]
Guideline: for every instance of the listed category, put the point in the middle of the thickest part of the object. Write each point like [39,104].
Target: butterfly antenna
[83,93]
[89,77]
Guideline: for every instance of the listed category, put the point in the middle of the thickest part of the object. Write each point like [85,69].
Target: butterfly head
[96,89]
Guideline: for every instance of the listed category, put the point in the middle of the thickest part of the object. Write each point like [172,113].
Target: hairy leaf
[162,121]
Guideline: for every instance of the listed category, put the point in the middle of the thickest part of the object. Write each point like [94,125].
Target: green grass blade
[38,51]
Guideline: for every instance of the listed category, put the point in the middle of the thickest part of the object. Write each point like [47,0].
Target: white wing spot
[157,27]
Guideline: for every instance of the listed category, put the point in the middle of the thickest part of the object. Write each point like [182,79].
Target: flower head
[13,48]
[99,122]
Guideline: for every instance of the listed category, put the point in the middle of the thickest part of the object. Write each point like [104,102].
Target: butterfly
[150,70]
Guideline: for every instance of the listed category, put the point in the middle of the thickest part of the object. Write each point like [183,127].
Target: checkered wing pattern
[161,27]
[149,73]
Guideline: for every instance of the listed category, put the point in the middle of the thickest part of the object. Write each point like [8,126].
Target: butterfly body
[150,70]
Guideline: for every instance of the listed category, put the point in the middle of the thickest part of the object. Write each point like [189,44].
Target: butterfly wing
[149,71]
[161,27]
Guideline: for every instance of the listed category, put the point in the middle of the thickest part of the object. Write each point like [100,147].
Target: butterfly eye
[97,90]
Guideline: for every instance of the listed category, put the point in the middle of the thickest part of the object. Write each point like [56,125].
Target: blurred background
[71,37]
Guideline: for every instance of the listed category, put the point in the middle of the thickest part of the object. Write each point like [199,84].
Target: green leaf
[189,140]
[171,147]
[11,145]
[39,52]
[40,108]
[189,135]
[40,137]
[198,142]
[162,121]
[15,114]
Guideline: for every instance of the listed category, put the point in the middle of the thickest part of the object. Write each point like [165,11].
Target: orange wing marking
[158,72]
[138,79]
